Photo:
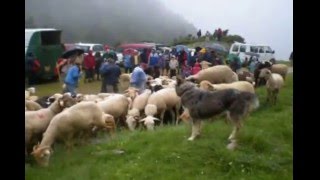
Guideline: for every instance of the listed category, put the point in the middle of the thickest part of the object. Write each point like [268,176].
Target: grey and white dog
[201,105]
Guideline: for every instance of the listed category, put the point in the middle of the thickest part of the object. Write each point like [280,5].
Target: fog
[110,22]
[263,22]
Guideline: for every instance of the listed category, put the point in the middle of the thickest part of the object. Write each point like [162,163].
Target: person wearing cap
[110,73]
[138,77]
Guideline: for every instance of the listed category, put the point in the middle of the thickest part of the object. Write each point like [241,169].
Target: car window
[96,48]
[85,48]
[235,48]
[253,49]
[243,48]
[261,50]
[268,49]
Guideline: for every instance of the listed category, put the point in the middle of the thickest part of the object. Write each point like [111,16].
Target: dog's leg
[196,126]
[232,138]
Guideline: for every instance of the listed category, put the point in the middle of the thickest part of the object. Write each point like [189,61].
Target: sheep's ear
[136,118]
[142,120]
[156,119]
[126,91]
[61,102]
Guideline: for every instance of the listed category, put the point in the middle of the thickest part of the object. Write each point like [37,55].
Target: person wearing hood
[32,68]
[89,66]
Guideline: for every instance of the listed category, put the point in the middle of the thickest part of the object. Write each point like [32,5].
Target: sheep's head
[185,116]
[132,92]
[265,73]
[149,122]
[109,122]
[66,101]
[79,97]
[32,90]
[133,119]
[42,154]
[206,85]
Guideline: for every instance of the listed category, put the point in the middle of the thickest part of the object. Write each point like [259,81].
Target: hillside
[110,21]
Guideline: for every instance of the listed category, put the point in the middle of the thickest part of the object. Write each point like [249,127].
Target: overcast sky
[258,21]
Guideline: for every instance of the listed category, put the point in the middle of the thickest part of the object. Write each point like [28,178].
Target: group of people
[148,62]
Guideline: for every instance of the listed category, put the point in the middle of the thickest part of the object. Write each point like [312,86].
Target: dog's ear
[180,80]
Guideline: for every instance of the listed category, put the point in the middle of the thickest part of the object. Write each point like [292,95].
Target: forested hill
[108,21]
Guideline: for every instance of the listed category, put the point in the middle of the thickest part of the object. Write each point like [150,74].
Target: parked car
[263,52]
[90,46]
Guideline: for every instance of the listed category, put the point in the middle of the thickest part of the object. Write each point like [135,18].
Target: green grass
[264,152]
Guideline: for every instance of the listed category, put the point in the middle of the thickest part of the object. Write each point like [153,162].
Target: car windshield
[97,48]
[85,48]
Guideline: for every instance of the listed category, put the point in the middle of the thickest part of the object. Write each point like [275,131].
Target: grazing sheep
[216,75]
[32,106]
[116,105]
[36,122]
[124,81]
[281,69]
[158,103]
[138,106]
[273,85]
[239,85]
[78,118]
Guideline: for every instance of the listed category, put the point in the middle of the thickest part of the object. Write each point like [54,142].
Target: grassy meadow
[265,149]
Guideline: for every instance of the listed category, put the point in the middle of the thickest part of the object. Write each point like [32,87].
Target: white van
[91,47]
[245,50]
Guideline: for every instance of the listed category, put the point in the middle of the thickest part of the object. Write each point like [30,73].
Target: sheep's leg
[268,96]
[69,142]
[196,125]
[172,116]
[177,114]
[161,117]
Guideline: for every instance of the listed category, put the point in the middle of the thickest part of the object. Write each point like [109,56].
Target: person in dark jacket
[110,73]
[99,61]
[89,66]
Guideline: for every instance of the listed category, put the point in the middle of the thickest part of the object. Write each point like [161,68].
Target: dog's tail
[252,99]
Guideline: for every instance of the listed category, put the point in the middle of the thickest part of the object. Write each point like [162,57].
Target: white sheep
[158,103]
[124,81]
[36,122]
[138,106]
[32,106]
[281,69]
[239,85]
[216,75]
[274,84]
[64,126]
[117,105]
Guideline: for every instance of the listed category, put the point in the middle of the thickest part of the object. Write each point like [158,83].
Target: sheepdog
[201,105]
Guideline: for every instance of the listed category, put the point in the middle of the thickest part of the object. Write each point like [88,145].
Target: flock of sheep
[68,118]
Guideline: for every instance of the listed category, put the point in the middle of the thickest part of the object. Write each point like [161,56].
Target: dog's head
[183,85]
